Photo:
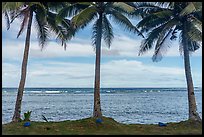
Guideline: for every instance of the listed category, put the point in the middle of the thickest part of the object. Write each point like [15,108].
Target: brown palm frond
[26,14]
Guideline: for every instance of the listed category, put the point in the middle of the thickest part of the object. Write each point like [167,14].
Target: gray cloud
[114,73]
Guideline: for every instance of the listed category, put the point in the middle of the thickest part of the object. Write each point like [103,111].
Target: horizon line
[105,87]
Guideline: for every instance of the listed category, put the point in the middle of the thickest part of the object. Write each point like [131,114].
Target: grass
[109,126]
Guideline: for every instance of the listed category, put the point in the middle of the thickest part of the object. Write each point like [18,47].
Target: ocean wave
[83,91]
[151,91]
[78,91]
[53,92]
[35,91]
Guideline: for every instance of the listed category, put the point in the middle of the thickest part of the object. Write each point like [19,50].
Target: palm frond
[71,10]
[198,6]
[174,33]
[188,9]
[165,32]
[184,41]
[94,33]
[156,34]
[161,46]
[171,5]
[122,6]
[147,8]
[60,31]
[166,4]
[154,19]
[41,25]
[162,33]
[86,4]
[14,15]
[196,22]
[56,6]
[107,31]
[148,42]
[194,33]
[26,15]
[97,33]
[193,46]
[125,22]
[15,10]
[132,4]
[163,14]
[108,5]
[151,21]
[7,20]
[84,17]
[11,6]
[71,30]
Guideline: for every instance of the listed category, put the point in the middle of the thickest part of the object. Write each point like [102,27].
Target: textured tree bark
[17,112]
[97,105]
[193,115]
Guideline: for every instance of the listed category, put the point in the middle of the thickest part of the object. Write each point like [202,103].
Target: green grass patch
[109,126]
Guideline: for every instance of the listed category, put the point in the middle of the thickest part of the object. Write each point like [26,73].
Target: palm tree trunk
[17,112]
[191,96]
[97,105]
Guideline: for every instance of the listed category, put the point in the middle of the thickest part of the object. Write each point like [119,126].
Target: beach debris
[99,120]
[162,124]
[26,124]
[44,118]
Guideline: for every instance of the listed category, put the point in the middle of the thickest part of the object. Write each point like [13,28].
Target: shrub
[27,116]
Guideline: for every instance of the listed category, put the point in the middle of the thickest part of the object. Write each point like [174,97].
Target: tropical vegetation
[167,21]
[44,22]
[83,13]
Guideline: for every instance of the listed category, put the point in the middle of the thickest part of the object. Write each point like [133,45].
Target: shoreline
[109,126]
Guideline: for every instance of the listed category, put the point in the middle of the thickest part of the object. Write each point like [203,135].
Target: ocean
[125,105]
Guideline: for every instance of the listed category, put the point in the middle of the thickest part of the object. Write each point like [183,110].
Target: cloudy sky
[120,65]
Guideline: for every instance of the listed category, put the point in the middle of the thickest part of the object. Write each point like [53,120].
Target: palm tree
[44,20]
[163,22]
[85,12]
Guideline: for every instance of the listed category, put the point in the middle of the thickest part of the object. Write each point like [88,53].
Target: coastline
[109,126]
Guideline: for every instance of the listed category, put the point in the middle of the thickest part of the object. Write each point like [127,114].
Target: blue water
[125,105]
